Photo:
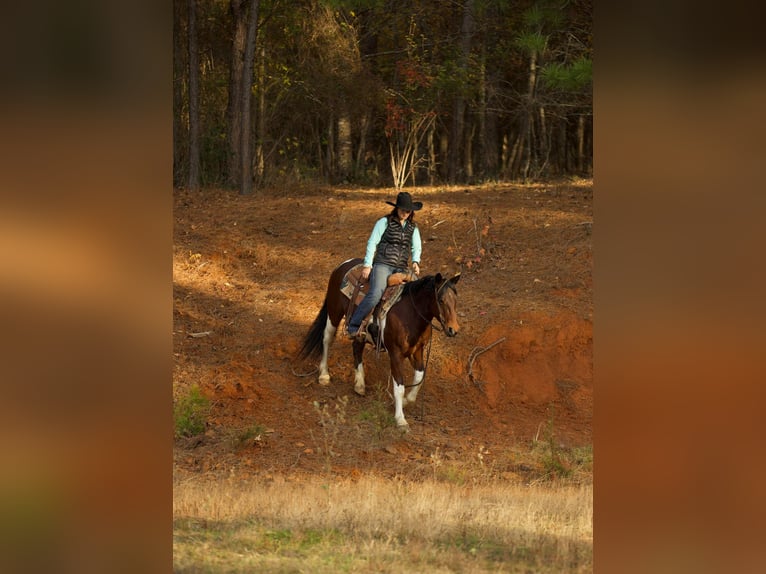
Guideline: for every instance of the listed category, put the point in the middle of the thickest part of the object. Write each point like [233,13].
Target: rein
[438,306]
[431,336]
[425,365]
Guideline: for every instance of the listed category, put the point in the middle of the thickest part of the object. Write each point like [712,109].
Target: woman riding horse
[405,331]
[393,240]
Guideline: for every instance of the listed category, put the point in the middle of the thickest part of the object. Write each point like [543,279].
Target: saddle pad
[353,278]
[352,281]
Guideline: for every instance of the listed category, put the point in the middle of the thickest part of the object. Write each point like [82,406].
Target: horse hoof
[360,390]
[324,380]
[404,428]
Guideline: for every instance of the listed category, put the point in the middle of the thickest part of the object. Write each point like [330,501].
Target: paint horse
[405,331]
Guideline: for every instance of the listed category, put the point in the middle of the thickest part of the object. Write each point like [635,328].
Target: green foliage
[534,17]
[278,538]
[543,15]
[453,475]
[453,78]
[190,413]
[568,78]
[551,459]
[558,461]
[317,62]
[379,416]
[582,69]
[531,42]
[240,438]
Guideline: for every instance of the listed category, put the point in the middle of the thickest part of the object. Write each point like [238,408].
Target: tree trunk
[246,149]
[234,105]
[561,147]
[431,155]
[260,161]
[529,120]
[456,136]
[518,150]
[543,144]
[179,73]
[330,151]
[482,114]
[194,153]
[444,148]
[489,149]
[505,154]
[345,146]
[529,141]
[458,108]
[361,152]
[580,144]
[468,153]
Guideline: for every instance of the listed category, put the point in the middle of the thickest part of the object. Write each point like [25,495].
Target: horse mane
[415,287]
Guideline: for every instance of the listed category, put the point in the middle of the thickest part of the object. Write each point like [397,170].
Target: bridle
[430,338]
[437,293]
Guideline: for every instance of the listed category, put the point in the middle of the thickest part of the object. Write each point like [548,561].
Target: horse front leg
[327,339]
[358,348]
[397,374]
[417,379]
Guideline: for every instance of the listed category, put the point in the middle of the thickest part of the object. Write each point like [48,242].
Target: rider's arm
[416,246]
[372,242]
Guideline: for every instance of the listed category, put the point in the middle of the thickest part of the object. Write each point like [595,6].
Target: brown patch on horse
[407,332]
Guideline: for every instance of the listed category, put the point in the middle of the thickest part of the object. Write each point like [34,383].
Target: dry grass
[378,525]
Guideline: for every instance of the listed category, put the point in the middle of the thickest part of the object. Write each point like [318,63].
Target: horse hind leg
[327,339]
[396,376]
[358,348]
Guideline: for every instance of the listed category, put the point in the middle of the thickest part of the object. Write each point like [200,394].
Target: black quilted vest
[396,244]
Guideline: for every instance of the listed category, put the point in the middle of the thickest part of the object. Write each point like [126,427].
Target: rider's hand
[416,268]
[366,272]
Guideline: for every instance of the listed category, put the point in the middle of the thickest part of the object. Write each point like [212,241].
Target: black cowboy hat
[404,201]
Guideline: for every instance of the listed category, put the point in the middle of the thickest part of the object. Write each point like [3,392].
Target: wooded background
[380,92]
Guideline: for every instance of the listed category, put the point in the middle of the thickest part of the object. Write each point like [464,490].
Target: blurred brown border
[86,287]
[85,238]
[679,341]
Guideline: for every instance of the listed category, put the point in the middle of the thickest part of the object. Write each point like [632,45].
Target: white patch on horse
[327,339]
[398,403]
[359,380]
[417,379]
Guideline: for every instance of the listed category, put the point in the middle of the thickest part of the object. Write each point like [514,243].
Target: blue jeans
[378,283]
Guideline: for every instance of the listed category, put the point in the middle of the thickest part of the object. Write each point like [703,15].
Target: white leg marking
[398,411]
[413,394]
[329,335]
[359,380]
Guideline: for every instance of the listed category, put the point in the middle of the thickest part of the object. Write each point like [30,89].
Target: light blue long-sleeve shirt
[377,233]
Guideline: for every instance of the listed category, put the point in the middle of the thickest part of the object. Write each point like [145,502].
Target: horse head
[446,303]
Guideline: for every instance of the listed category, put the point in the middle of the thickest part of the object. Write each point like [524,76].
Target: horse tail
[312,342]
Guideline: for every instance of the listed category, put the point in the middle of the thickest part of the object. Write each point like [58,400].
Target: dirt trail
[252,273]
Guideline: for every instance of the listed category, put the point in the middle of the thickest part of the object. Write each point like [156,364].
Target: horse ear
[438,278]
[455,279]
